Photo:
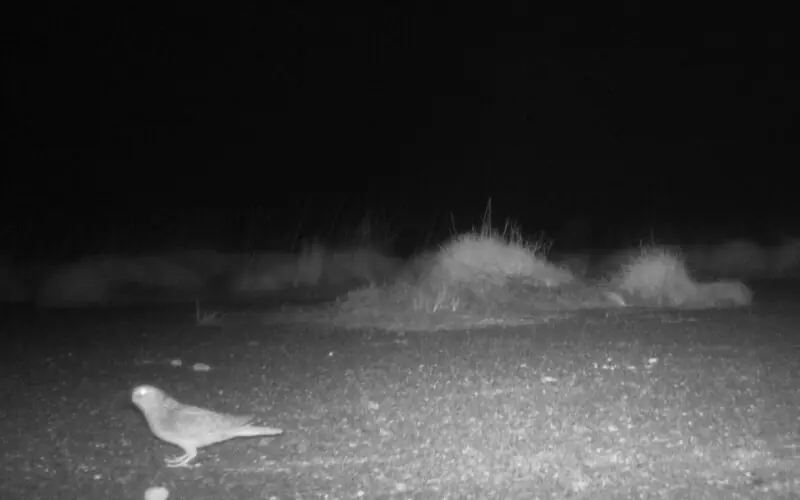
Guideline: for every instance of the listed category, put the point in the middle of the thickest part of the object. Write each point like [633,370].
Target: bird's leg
[183,460]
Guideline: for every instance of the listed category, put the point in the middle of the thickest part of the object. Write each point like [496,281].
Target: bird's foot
[181,461]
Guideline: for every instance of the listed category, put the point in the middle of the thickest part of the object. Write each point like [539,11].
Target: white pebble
[156,493]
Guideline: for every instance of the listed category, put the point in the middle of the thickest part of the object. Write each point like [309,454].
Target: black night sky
[148,120]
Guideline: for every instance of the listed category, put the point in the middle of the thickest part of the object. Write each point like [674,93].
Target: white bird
[190,427]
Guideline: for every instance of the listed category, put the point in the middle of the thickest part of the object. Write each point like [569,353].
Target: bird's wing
[193,419]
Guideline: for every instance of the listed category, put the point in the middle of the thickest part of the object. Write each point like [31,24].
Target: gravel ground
[646,404]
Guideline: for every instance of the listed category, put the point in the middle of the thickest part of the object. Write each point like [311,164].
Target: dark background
[136,126]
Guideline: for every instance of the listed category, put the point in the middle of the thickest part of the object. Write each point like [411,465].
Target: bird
[191,427]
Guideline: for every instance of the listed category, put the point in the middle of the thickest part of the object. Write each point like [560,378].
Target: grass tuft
[659,277]
[483,277]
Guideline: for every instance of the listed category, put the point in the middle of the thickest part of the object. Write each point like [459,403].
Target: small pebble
[156,493]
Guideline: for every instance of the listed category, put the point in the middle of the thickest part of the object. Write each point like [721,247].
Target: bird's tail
[254,430]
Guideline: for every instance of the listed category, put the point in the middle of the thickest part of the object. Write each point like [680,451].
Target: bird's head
[147,397]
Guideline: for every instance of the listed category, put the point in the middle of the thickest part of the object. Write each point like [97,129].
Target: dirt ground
[618,404]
